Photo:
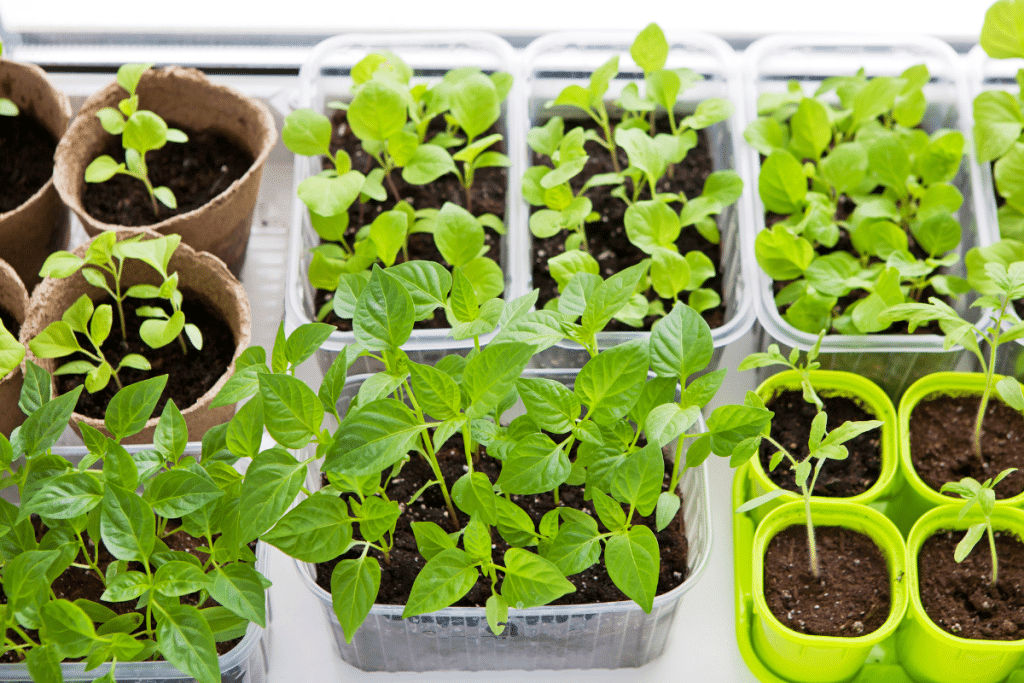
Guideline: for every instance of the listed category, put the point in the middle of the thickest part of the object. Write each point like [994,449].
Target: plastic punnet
[324,77]
[893,362]
[822,659]
[869,396]
[929,653]
[556,60]
[607,635]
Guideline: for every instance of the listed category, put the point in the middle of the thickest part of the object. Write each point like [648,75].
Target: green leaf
[610,382]
[680,343]
[131,407]
[316,530]
[431,539]
[245,431]
[496,610]
[436,392]
[650,49]
[637,480]
[66,496]
[377,516]
[376,437]
[43,428]
[459,236]
[448,576]
[475,104]
[485,277]
[384,314]
[474,495]
[292,412]
[651,224]
[668,506]
[845,166]
[271,483]
[127,524]
[177,577]
[889,162]
[550,403]
[633,561]
[967,543]
[330,194]
[376,113]
[307,133]
[490,375]
[766,135]
[354,586]
[535,465]
[875,98]
[1001,34]
[811,129]
[26,586]
[781,255]
[782,183]
[531,580]
[239,587]
[69,629]
[668,421]
[428,163]
[55,341]
[43,664]
[144,131]
[185,640]
[178,492]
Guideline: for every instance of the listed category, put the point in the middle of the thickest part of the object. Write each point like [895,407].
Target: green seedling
[7,107]
[984,496]
[868,151]
[822,446]
[997,272]
[103,267]
[141,131]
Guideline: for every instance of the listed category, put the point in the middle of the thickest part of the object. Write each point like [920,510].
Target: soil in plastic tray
[189,375]
[607,240]
[487,195]
[791,427]
[196,171]
[942,442]
[10,324]
[849,599]
[592,585]
[960,598]
[77,583]
[26,159]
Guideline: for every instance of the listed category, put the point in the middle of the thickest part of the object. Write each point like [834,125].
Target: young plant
[999,117]
[984,496]
[822,446]
[141,131]
[7,108]
[112,518]
[653,225]
[868,151]
[1000,284]
[103,267]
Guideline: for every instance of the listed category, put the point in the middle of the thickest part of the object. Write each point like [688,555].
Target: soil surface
[592,585]
[26,159]
[942,442]
[959,597]
[76,583]
[791,427]
[190,375]
[607,240]
[850,599]
[10,324]
[196,171]
[487,195]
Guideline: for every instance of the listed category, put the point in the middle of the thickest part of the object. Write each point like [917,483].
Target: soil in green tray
[960,598]
[851,597]
[942,442]
[607,240]
[592,585]
[791,427]
[26,159]
[196,171]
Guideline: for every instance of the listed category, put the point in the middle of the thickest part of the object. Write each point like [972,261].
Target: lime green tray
[882,665]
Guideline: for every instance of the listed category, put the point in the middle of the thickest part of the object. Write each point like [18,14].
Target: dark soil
[592,585]
[196,171]
[607,240]
[26,159]
[959,597]
[791,427]
[10,324]
[76,583]
[190,375]
[487,195]
[850,599]
[942,448]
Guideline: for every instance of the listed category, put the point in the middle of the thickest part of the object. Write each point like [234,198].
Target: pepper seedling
[984,496]
[141,131]
[7,107]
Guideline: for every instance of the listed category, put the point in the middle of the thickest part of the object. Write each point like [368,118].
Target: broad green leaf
[550,403]
[535,465]
[633,560]
[292,412]
[384,314]
[376,113]
[131,407]
[1002,36]
[127,524]
[448,576]
[307,133]
[66,496]
[811,129]
[354,586]
[376,437]
[680,343]
[185,640]
[178,492]
[271,483]
[531,580]
[782,183]
[239,587]
[473,493]
[650,49]
[490,375]
[610,382]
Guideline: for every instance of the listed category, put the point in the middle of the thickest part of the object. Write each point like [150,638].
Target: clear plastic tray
[556,60]
[325,76]
[892,361]
[600,636]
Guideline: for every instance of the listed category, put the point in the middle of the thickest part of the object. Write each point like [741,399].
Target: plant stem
[117,289]
[606,127]
[88,559]
[995,560]
[392,186]
[811,545]
[989,373]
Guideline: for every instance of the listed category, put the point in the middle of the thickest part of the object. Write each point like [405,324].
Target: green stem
[995,560]
[88,558]
[811,545]
[989,372]
[17,629]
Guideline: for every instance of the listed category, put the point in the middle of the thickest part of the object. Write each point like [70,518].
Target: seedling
[984,496]
[103,267]
[141,131]
[653,225]
[7,108]
[774,357]
[869,151]
[1000,283]
[822,446]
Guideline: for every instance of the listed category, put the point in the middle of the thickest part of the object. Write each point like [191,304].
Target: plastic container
[556,60]
[821,659]
[931,654]
[869,396]
[599,636]
[324,77]
[918,497]
[893,362]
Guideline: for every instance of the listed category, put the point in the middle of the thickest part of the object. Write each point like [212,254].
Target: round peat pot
[807,658]
[183,97]
[929,653]
[14,300]
[40,225]
[830,383]
[207,279]
[918,497]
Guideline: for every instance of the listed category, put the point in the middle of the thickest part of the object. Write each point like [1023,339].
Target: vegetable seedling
[984,496]
[141,131]
[7,107]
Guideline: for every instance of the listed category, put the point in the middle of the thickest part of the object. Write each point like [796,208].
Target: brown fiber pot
[186,98]
[40,226]
[14,300]
[202,273]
